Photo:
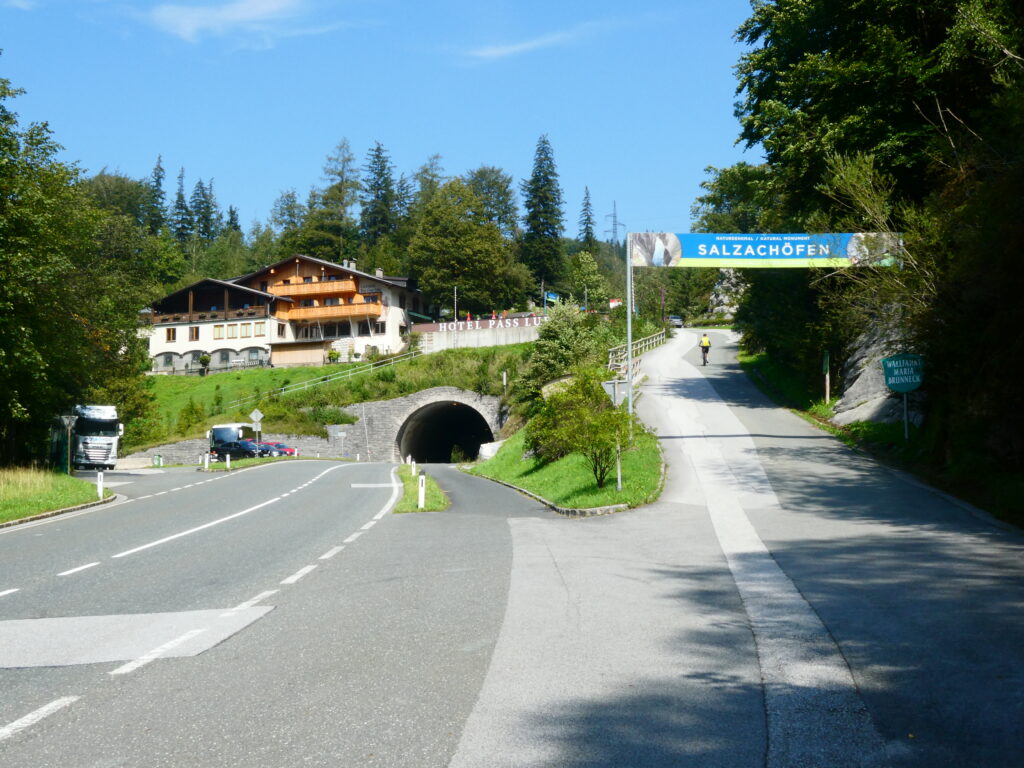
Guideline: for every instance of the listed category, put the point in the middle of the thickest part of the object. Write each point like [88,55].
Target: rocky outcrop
[865,397]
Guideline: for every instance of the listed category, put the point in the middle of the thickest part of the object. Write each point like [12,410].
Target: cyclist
[705,347]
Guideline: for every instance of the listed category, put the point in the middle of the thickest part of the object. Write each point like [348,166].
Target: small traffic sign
[256,415]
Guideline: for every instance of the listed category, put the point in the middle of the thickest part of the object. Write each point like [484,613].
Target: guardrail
[617,356]
[319,380]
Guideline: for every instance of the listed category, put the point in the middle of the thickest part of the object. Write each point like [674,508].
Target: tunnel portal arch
[432,432]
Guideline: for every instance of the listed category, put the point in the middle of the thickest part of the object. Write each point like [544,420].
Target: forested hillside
[81,255]
[902,117]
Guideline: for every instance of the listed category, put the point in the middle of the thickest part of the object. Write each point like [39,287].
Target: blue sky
[636,98]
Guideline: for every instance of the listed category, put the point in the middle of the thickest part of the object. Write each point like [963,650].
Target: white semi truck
[94,434]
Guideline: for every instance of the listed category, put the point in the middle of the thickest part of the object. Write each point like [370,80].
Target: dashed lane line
[34,717]
[9,591]
[79,568]
[299,574]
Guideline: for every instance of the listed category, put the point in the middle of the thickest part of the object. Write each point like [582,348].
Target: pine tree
[232,223]
[586,238]
[155,214]
[378,217]
[542,197]
[206,216]
[180,219]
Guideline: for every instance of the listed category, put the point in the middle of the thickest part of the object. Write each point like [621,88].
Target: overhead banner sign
[739,251]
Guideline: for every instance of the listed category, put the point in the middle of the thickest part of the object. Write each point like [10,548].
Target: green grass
[435,500]
[27,492]
[569,482]
[173,392]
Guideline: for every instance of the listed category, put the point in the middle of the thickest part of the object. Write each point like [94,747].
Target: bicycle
[704,354]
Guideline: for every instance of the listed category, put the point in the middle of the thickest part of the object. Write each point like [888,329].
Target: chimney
[345,263]
[352,264]
[379,272]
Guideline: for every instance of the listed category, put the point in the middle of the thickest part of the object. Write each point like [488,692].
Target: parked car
[238,449]
[269,449]
[285,450]
[676,321]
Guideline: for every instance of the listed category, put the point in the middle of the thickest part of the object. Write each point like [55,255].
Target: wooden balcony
[339,312]
[310,290]
[211,315]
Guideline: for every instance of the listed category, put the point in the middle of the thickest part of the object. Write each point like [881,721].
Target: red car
[284,450]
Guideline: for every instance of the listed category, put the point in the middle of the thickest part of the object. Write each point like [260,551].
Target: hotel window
[196,356]
[172,334]
[281,330]
[307,302]
[246,330]
[380,328]
[332,277]
[193,333]
[307,279]
[259,329]
[332,302]
[218,331]
[225,357]
[232,331]
[254,354]
[169,360]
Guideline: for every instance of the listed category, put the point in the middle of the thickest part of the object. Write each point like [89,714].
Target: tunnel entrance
[434,431]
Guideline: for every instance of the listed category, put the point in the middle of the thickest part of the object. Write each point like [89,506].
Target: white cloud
[190,22]
[22,5]
[565,37]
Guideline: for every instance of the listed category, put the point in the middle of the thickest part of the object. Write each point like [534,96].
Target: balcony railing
[211,315]
[337,312]
[318,288]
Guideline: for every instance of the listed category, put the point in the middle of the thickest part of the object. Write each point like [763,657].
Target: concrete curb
[565,511]
[55,512]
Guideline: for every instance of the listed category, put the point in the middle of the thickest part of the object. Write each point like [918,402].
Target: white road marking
[131,666]
[175,489]
[249,603]
[34,717]
[8,592]
[325,556]
[196,529]
[369,525]
[395,492]
[353,537]
[76,570]
[372,485]
[160,494]
[299,574]
[147,496]
[258,599]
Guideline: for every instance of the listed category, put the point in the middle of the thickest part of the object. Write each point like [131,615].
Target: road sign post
[69,424]
[612,390]
[257,423]
[903,373]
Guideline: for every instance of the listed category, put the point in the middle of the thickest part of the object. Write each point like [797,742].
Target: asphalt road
[785,603]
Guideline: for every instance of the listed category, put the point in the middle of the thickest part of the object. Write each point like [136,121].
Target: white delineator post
[227,460]
[99,484]
[423,491]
